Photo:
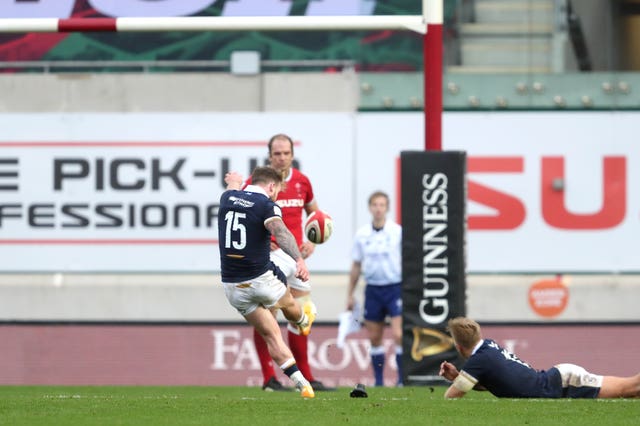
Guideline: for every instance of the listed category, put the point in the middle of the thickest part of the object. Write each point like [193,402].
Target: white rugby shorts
[577,377]
[288,267]
[246,296]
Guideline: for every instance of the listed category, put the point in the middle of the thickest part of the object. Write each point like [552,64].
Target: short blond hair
[465,331]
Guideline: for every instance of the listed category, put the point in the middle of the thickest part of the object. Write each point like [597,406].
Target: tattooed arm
[288,244]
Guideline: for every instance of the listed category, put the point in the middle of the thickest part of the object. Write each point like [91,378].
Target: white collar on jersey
[256,188]
[290,175]
[477,346]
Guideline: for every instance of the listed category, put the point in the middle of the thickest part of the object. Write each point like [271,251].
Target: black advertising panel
[433,259]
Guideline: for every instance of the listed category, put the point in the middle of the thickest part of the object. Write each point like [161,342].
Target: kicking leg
[269,380]
[267,326]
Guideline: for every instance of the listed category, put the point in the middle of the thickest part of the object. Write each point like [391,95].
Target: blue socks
[400,371]
[377,363]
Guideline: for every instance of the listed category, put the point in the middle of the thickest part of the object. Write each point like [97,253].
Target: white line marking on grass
[62,396]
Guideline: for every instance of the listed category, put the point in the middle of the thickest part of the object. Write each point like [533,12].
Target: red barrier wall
[224,354]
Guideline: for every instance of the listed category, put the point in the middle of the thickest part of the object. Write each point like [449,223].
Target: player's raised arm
[233,180]
[288,244]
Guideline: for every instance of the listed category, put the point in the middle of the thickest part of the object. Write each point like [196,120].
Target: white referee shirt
[380,253]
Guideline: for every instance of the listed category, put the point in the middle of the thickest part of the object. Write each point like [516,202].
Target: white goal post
[429,24]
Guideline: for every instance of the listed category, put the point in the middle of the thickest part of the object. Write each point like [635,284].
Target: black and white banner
[433,258]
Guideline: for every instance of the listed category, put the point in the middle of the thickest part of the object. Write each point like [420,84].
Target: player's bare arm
[307,248]
[453,393]
[448,371]
[354,276]
[233,180]
[288,244]
[284,238]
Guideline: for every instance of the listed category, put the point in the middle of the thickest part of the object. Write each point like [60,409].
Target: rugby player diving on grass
[491,367]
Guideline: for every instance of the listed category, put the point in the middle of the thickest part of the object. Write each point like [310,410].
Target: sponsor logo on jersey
[292,202]
[240,202]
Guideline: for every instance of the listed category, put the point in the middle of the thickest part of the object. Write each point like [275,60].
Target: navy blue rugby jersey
[505,375]
[243,239]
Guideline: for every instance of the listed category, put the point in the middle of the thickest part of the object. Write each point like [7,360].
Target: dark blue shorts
[580,392]
[577,382]
[381,301]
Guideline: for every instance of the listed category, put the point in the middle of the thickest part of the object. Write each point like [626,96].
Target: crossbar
[214,23]
[429,24]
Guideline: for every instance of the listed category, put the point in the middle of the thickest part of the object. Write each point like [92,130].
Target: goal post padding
[433,194]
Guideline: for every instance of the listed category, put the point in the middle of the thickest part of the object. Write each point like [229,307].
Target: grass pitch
[131,405]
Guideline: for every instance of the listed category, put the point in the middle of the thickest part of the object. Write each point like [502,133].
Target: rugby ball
[318,227]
